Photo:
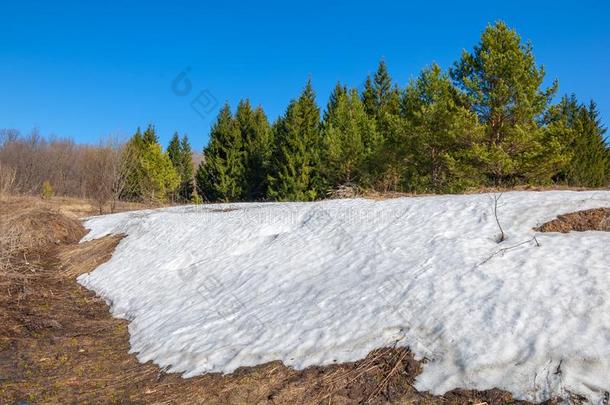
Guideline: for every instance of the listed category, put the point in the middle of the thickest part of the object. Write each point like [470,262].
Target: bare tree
[8,135]
[106,168]
[122,163]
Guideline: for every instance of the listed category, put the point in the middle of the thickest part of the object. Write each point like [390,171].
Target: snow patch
[212,288]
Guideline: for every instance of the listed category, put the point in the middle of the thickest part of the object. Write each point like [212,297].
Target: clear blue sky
[83,70]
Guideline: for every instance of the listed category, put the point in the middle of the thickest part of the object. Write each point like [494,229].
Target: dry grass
[59,344]
[597,219]
[376,195]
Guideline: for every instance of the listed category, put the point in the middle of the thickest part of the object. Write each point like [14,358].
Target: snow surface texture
[214,287]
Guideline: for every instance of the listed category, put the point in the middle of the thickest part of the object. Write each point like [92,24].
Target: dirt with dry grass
[59,344]
[597,219]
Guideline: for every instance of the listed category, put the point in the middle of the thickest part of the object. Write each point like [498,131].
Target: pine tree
[219,177]
[442,134]
[503,85]
[350,138]
[294,171]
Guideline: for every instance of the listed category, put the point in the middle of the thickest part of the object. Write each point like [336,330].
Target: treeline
[138,170]
[487,121]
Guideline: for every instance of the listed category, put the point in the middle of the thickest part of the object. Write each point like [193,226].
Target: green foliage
[47,190]
[151,175]
[583,135]
[350,138]
[160,178]
[187,170]
[441,136]
[294,169]
[503,85]
[181,156]
[486,122]
[257,145]
[150,135]
[196,199]
[219,177]
[380,95]
[173,151]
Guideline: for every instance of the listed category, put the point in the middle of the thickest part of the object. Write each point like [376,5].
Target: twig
[496,199]
[504,250]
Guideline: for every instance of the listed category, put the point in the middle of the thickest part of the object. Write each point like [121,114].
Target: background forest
[486,122]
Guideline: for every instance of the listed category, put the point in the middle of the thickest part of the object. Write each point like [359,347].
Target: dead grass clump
[75,260]
[37,227]
[597,219]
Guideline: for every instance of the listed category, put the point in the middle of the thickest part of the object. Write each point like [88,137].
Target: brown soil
[59,344]
[597,219]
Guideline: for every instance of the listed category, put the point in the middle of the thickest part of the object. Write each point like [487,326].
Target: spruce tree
[350,138]
[332,100]
[589,164]
[135,175]
[582,134]
[150,135]
[187,186]
[219,177]
[380,96]
[151,176]
[503,84]
[256,141]
[294,172]
[173,152]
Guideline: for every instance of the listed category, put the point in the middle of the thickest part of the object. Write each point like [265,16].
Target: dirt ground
[59,344]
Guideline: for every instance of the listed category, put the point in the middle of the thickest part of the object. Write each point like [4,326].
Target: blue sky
[86,70]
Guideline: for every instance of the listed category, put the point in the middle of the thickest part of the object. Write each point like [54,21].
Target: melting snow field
[214,287]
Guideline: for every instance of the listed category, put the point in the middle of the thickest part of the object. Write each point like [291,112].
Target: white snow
[214,287]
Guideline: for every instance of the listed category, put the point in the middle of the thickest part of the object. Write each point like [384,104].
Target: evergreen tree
[160,179]
[380,96]
[152,176]
[503,84]
[443,132]
[350,138]
[294,171]
[332,100]
[219,177]
[582,134]
[187,187]
[257,146]
[173,152]
[150,135]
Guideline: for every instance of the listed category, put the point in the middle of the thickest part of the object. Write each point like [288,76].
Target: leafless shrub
[7,180]
[106,169]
